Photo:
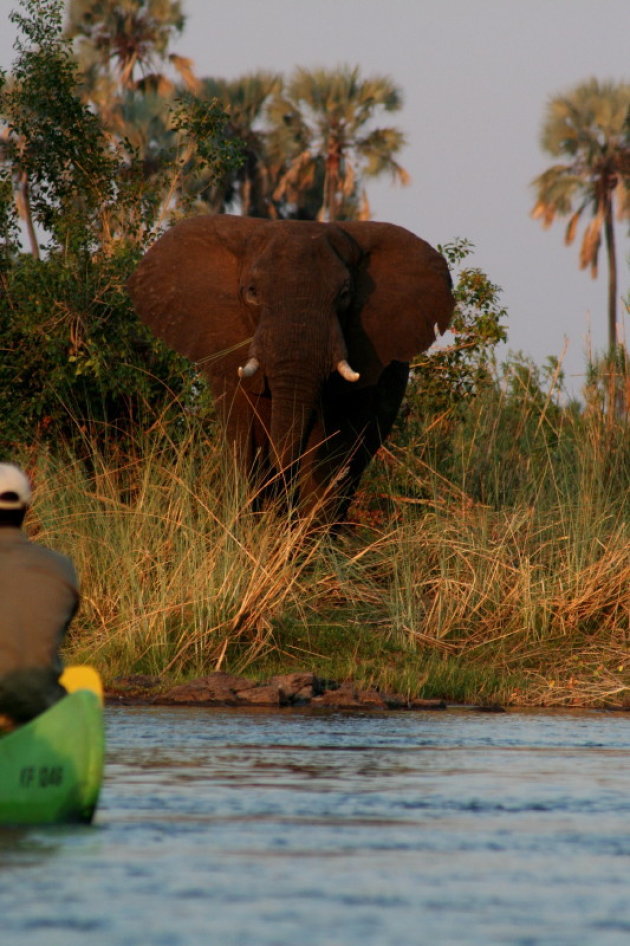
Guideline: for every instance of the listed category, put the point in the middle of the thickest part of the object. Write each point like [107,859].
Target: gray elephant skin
[305,332]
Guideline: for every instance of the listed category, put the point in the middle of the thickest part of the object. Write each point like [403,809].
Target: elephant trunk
[293,407]
[296,366]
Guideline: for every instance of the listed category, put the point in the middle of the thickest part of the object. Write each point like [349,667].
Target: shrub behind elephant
[305,331]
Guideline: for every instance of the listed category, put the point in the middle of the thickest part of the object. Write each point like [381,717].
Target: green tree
[70,341]
[121,48]
[446,379]
[177,135]
[54,142]
[589,126]
[323,137]
[15,182]
[245,100]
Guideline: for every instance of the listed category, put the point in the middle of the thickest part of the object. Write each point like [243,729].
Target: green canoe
[51,768]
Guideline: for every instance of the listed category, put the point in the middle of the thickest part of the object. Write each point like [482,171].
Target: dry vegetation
[436,594]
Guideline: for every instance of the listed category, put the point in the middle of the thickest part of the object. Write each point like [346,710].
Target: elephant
[305,331]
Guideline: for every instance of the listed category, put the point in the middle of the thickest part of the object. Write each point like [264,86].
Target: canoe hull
[51,768]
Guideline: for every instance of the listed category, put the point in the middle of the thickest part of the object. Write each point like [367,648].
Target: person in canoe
[39,596]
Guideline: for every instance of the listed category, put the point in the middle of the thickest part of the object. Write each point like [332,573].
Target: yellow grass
[446,596]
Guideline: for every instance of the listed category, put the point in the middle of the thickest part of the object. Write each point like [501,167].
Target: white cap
[15,489]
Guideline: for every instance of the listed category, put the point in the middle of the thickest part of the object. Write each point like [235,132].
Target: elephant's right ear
[186,289]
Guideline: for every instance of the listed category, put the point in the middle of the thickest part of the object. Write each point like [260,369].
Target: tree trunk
[616,396]
[609,230]
[27,216]
[331,180]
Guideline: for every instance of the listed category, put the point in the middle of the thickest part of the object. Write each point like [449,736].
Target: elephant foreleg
[355,424]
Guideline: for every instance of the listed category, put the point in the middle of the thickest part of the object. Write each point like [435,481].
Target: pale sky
[476,76]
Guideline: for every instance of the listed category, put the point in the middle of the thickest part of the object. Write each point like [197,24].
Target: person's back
[38,598]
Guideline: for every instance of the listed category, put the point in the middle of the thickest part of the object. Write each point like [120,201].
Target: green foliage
[607,388]
[444,381]
[308,143]
[516,441]
[9,229]
[452,374]
[513,428]
[58,143]
[300,147]
[74,353]
[211,154]
[482,425]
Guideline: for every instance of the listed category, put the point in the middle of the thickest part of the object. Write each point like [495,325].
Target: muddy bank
[294,689]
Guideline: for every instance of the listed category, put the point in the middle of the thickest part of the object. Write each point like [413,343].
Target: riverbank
[293,689]
[288,690]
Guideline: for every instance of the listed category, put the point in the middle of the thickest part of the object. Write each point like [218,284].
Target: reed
[176,566]
[498,572]
[525,572]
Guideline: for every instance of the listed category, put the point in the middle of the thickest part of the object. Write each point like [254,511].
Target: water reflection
[265,829]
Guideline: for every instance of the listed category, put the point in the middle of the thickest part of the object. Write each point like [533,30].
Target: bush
[74,352]
[76,355]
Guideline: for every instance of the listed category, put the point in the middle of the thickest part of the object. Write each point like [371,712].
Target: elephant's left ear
[403,297]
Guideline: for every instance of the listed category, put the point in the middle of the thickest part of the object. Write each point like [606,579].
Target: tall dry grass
[179,572]
[520,559]
[501,573]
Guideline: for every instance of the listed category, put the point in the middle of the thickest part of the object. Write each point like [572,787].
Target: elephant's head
[296,285]
[270,309]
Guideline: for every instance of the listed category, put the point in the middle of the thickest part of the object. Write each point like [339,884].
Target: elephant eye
[250,294]
[344,296]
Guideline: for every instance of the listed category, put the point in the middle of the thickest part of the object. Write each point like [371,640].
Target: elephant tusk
[346,371]
[252,366]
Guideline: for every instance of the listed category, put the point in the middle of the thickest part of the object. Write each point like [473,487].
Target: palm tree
[590,126]
[324,143]
[130,36]
[245,100]
[122,46]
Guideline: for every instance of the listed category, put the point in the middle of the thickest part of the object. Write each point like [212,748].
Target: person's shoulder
[53,560]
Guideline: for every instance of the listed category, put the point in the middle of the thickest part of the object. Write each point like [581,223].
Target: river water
[226,828]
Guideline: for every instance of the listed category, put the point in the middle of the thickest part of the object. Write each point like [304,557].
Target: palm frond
[185,70]
[591,242]
[571,229]
[544,212]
